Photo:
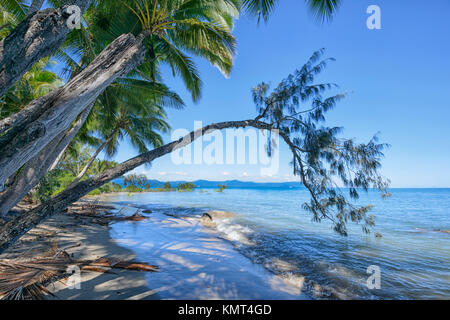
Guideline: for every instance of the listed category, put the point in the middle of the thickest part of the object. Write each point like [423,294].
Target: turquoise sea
[413,253]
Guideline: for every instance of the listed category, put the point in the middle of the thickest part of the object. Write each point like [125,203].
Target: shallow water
[271,229]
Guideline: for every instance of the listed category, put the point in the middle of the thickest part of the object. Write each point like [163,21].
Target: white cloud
[162,173]
[178,173]
[226,173]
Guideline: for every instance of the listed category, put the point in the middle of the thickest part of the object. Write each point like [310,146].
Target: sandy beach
[194,261]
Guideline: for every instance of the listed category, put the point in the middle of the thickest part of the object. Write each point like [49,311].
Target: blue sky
[399,79]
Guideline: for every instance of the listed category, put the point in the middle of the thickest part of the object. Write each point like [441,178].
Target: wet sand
[194,261]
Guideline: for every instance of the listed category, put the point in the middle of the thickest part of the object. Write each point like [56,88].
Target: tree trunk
[43,119]
[30,175]
[91,160]
[13,229]
[35,6]
[58,159]
[38,36]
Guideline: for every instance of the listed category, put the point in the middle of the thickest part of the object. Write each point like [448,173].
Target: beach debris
[217,214]
[135,217]
[208,218]
[27,278]
[128,265]
[89,208]
[104,220]
[207,221]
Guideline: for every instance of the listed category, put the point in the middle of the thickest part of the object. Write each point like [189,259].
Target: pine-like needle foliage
[333,169]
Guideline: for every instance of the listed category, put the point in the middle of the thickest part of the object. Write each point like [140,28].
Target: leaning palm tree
[142,126]
[130,108]
[165,32]
[173,31]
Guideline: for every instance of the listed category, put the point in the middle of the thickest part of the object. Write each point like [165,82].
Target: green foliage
[186,186]
[11,13]
[133,189]
[36,83]
[136,180]
[95,192]
[167,186]
[115,187]
[174,30]
[322,9]
[221,187]
[53,183]
[321,158]
[59,179]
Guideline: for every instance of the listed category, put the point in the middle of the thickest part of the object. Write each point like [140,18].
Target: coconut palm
[132,109]
[201,27]
[35,83]
[174,30]
[322,9]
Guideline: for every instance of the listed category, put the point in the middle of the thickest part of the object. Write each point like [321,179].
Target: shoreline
[88,240]
[195,261]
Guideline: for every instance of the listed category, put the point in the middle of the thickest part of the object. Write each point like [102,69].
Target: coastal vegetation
[50,140]
[221,187]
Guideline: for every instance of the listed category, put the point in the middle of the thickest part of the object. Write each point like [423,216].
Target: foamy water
[272,231]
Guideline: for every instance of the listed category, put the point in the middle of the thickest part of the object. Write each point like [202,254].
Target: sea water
[271,229]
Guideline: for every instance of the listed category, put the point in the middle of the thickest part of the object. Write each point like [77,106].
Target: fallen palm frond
[26,279]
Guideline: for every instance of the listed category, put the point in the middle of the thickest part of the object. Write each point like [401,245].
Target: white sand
[196,263]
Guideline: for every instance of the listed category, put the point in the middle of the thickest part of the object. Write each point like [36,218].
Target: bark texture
[30,175]
[15,228]
[35,6]
[38,36]
[45,118]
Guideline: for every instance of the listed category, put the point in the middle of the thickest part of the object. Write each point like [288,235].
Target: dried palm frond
[26,279]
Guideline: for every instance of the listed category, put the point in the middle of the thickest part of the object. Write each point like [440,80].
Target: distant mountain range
[236,184]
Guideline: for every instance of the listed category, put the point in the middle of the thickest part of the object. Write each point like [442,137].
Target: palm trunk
[58,159]
[30,175]
[45,118]
[38,36]
[35,6]
[12,230]
[91,160]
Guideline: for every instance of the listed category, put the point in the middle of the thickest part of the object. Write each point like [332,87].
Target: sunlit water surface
[273,230]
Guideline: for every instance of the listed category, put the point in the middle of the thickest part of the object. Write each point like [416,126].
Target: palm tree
[35,83]
[322,9]
[129,108]
[173,30]
[201,27]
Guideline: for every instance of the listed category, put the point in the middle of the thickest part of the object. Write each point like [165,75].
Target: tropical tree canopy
[322,9]
[323,161]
